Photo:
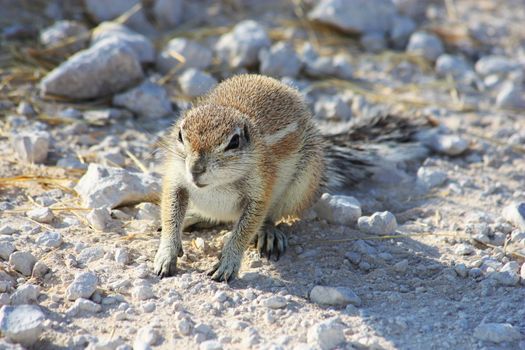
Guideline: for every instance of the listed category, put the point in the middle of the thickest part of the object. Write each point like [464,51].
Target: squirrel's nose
[197,169]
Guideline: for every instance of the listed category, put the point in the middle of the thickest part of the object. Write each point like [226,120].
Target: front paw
[227,268]
[166,259]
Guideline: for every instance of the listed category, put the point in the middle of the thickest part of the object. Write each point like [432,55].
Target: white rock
[43,215]
[102,10]
[511,96]
[497,332]
[25,294]
[453,65]
[194,82]
[82,306]
[317,66]
[63,31]
[333,108]
[194,55]
[99,218]
[104,186]
[275,302]
[22,262]
[451,145]
[184,326]
[464,249]
[515,214]
[39,270]
[121,256]
[6,248]
[147,100]
[142,292]
[355,16]
[334,296]
[495,65]
[25,108]
[168,13]
[111,157]
[402,28]
[7,229]
[425,44]
[373,42]
[49,239]
[280,60]
[145,337]
[21,324]
[148,211]
[104,69]
[138,43]
[522,272]
[31,146]
[379,223]
[508,275]
[210,345]
[326,335]
[337,209]
[241,46]
[89,254]
[430,178]
[83,286]
[401,266]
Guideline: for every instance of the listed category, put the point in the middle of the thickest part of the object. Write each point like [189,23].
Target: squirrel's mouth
[199,185]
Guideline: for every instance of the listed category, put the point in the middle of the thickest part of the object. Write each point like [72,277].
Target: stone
[402,29]
[355,16]
[25,109]
[31,147]
[275,302]
[22,262]
[83,286]
[461,270]
[280,60]
[194,82]
[89,254]
[431,178]
[452,65]
[334,296]
[181,53]
[148,211]
[241,46]
[333,108]
[515,214]
[101,10]
[146,336]
[401,266]
[522,272]
[6,249]
[105,68]
[497,332]
[105,186]
[326,335]
[25,294]
[373,42]
[508,275]
[317,66]
[71,36]
[495,65]
[451,145]
[169,13]
[210,345]
[142,292]
[380,223]
[121,256]
[184,326]
[39,270]
[464,249]
[7,229]
[141,46]
[426,45]
[148,100]
[111,157]
[82,307]
[43,215]
[338,209]
[21,324]
[511,96]
[99,218]
[49,239]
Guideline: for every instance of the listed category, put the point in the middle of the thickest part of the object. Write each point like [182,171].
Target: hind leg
[271,240]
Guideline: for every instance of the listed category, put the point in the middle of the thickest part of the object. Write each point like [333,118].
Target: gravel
[280,60]
[380,223]
[138,43]
[22,262]
[25,294]
[43,215]
[99,218]
[195,55]
[338,209]
[355,16]
[83,307]
[31,147]
[326,335]
[21,324]
[241,46]
[497,332]
[431,178]
[426,45]
[515,214]
[148,100]
[83,286]
[104,69]
[275,302]
[6,248]
[334,296]
[49,239]
[194,82]
[105,186]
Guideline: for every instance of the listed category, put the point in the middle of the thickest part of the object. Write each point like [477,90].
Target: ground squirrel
[249,153]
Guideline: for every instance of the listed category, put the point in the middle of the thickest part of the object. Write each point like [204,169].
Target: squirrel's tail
[371,146]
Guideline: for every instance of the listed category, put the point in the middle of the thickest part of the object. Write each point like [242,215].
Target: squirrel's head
[216,145]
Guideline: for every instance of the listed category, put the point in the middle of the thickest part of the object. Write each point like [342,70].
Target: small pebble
[43,215]
[22,262]
[83,286]
[334,296]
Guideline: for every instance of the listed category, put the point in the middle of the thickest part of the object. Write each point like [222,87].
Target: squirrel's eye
[234,143]
[180,137]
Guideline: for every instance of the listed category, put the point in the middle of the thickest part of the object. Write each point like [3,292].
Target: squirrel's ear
[246,134]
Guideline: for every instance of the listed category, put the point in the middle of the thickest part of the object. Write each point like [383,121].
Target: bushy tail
[370,146]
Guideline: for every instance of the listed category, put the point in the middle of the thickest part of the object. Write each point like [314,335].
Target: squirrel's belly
[215,203]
